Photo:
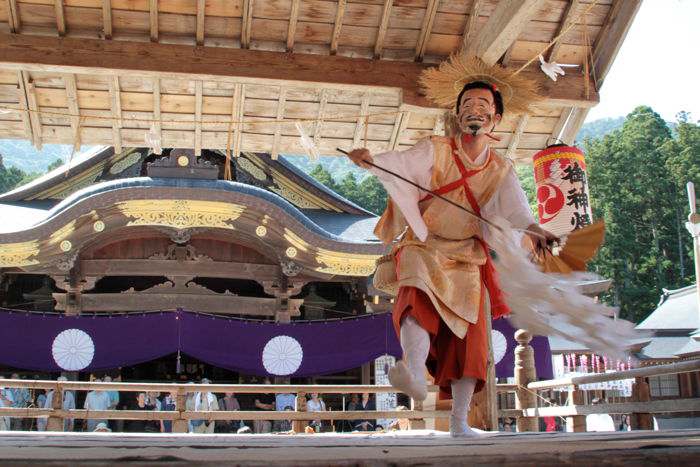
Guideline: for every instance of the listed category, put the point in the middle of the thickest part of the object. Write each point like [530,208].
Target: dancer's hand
[541,238]
[360,157]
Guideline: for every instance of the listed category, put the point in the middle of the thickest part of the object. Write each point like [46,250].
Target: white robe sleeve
[510,202]
[414,164]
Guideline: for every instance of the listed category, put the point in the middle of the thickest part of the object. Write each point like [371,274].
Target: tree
[324,176]
[10,177]
[54,165]
[634,192]
[372,195]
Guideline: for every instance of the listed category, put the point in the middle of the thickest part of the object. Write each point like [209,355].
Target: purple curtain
[52,342]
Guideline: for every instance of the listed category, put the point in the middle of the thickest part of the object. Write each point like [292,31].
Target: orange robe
[443,279]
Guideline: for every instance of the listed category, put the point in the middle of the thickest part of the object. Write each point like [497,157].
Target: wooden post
[419,423]
[525,373]
[576,423]
[55,422]
[641,393]
[180,424]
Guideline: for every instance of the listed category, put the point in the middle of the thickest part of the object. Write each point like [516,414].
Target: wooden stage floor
[417,448]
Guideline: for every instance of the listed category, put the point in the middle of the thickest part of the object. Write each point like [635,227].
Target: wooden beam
[60,17]
[13,16]
[246,22]
[292,28]
[156,113]
[321,115]
[107,18]
[153,19]
[400,125]
[470,26]
[339,13]
[361,122]
[150,267]
[568,16]
[106,58]
[239,103]
[383,25]
[280,118]
[73,108]
[115,98]
[426,28]
[561,124]
[611,37]
[198,118]
[605,50]
[200,22]
[515,139]
[24,106]
[502,29]
[33,110]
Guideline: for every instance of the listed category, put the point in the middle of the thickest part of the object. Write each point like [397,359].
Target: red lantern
[562,189]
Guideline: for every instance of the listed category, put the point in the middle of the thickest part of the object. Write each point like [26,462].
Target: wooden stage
[672,447]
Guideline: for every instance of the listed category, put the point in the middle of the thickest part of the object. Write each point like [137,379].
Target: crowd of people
[204,401]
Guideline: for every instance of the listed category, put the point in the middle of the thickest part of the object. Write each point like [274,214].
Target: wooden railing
[640,408]
[181,416]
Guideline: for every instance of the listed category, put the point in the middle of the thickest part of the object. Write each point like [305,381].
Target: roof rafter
[502,29]
[381,32]
[292,29]
[200,22]
[107,18]
[60,17]
[426,28]
[153,19]
[340,12]
[470,26]
[566,20]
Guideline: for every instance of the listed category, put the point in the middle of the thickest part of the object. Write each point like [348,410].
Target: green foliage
[54,165]
[10,177]
[636,177]
[369,193]
[527,181]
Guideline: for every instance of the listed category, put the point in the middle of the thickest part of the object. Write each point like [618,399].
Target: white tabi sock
[408,376]
[415,343]
[462,390]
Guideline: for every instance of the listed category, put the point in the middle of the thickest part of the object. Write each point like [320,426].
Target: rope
[557,38]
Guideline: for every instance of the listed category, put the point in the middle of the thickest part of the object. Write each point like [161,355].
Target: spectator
[229,403]
[625,423]
[5,401]
[366,404]
[20,398]
[509,424]
[68,404]
[102,428]
[550,423]
[113,402]
[140,426]
[189,406]
[205,401]
[314,404]
[152,398]
[168,404]
[599,421]
[285,425]
[96,400]
[353,405]
[282,401]
[264,402]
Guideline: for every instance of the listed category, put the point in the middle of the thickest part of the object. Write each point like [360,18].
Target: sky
[658,64]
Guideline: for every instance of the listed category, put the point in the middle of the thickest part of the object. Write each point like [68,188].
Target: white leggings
[415,343]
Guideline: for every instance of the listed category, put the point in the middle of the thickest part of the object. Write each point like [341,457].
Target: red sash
[499,307]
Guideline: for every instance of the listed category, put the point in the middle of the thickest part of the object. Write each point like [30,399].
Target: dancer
[444,271]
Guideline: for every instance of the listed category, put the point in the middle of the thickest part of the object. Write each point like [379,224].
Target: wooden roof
[86,71]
